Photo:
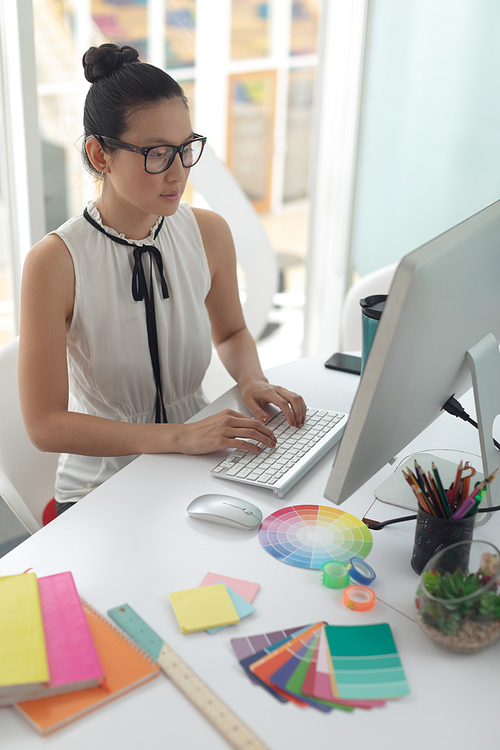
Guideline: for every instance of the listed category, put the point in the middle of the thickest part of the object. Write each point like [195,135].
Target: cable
[377,525]
[455,408]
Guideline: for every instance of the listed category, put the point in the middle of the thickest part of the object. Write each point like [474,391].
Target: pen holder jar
[433,534]
[458,597]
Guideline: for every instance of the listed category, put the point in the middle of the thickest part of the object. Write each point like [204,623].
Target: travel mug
[371,312]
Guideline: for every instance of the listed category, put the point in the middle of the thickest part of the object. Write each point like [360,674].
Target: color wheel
[310,535]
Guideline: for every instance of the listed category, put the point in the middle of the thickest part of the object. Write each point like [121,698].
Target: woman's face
[165,123]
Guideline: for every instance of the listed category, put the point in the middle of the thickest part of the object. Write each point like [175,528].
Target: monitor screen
[444,298]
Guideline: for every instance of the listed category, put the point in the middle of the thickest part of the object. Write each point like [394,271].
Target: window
[248,69]
[250,145]
[21,207]
[250,29]
[304,31]
[298,135]
[180,34]
[7,324]
[126,20]
[7,321]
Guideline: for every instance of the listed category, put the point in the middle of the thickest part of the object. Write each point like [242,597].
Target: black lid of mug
[373,306]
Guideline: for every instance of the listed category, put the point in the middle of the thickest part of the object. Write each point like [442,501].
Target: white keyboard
[296,451]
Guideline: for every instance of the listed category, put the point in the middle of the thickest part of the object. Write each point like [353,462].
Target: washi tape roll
[335,575]
[360,571]
[359,597]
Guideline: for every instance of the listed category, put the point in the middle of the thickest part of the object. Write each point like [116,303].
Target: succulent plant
[488,566]
[444,611]
[452,585]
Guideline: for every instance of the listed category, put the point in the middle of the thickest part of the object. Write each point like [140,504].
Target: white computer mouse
[227,510]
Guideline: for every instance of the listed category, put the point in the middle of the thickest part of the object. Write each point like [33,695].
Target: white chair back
[29,471]
[219,188]
[16,505]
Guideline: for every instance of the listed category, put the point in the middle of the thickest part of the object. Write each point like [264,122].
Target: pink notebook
[126,667]
[71,653]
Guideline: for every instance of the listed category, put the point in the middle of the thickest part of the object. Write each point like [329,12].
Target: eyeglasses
[158,159]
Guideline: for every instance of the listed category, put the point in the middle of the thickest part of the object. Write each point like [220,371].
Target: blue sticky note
[242,607]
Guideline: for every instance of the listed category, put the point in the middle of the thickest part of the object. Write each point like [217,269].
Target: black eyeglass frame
[144,150]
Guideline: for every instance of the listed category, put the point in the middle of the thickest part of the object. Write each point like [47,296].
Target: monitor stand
[484,361]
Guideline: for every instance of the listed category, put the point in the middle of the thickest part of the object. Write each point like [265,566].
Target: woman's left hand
[257,393]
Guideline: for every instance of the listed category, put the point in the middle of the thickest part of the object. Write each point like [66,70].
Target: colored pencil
[464,508]
[437,497]
[422,503]
[456,487]
[442,493]
[453,502]
[466,481]
[428,492]
[418,472]
[471,503]
[431,496]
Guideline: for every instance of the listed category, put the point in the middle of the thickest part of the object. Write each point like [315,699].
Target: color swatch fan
[309,535]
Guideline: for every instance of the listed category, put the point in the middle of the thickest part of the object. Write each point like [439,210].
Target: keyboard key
[277,467]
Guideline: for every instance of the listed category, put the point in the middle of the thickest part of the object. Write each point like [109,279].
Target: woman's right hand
[227,429]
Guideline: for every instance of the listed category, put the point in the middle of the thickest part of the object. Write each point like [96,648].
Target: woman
[119,304]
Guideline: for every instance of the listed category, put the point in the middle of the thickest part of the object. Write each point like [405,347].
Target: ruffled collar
[96,216]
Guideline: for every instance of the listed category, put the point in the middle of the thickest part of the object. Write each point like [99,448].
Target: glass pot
[458,597]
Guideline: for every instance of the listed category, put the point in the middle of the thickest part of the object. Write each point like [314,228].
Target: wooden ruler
[213,708]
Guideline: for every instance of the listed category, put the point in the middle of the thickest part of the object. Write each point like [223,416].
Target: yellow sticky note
[203,608]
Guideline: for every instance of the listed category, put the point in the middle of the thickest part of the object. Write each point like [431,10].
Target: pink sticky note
[246,589]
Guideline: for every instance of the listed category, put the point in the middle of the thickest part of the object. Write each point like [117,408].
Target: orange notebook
[125,665]
[71,653]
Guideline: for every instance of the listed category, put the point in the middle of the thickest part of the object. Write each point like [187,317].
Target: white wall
[429,148]
[336,118]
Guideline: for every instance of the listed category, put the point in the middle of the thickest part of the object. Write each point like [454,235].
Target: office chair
[219,188]
[16,505]
[29,471]
[376,282]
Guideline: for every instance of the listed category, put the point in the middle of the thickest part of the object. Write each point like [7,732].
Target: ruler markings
[222,718]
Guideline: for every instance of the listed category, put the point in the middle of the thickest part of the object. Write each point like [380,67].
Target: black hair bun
[99,62]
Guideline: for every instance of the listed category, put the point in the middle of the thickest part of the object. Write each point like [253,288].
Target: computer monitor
[444,298]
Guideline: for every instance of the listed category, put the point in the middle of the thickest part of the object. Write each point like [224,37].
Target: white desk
[132,541]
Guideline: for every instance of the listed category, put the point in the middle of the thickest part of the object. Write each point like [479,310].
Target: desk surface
[132,541]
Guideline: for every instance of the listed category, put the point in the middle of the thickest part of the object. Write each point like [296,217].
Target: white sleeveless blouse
[110,370]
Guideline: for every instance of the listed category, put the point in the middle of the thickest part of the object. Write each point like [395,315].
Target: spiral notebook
[125,667]
[71,654]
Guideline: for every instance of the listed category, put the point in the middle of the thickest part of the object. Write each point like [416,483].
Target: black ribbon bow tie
[139,286]
[141,292]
